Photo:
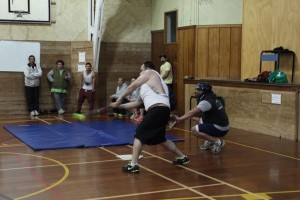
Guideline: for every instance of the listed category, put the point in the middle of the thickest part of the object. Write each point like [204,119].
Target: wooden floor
[251,166]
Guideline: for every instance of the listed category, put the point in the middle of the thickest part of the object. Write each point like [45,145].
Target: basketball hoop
[20,13]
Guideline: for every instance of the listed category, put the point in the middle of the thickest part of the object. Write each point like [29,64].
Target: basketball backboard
[25,11]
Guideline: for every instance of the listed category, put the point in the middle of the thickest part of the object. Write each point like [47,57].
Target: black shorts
[152,129]
[211,130]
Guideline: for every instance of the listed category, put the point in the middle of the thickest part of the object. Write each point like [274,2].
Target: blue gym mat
[75,135]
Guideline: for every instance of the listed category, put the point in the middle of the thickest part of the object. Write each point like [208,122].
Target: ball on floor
[78,116]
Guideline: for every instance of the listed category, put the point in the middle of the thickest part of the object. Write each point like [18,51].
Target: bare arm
[166,74]
[189,114]
[137,83]
[93,80]
[81,81]
[134,104]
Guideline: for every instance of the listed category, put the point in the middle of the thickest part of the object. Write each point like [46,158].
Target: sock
[133,164]
[181,157]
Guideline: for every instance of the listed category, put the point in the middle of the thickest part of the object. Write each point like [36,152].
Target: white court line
[194,171]
[164,177]
[207,176]
[42,120]
[62,119]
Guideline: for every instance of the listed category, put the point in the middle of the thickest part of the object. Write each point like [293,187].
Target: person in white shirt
[87,88]
[121,88]
[32,73]
[152,129]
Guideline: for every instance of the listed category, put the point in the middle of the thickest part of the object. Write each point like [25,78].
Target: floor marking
[66,174]
[13,145]
[68,164]
[15,121]
[248,197]
[164,177]
[43,120]
[62,119]
[243,145]
[207,176]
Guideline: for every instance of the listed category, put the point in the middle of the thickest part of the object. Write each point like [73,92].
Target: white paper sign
[81,56]
[81,68]
[276,98]
[127,156]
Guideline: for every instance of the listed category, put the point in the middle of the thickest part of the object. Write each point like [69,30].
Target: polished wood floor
[250,166]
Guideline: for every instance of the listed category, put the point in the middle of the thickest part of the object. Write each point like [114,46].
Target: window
[170,27]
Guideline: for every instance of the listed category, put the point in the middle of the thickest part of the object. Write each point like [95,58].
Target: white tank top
[151,98]
[87,81]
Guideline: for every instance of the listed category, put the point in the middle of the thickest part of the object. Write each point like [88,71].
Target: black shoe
[181,161]
[131,169]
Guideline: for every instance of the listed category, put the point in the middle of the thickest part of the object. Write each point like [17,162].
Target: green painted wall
[198,12]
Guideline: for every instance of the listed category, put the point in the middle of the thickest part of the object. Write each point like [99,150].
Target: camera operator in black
[214,121]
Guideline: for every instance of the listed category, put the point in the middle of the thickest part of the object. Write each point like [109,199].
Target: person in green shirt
[59,77]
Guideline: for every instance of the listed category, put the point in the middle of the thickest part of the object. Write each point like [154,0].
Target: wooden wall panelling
[225,51]
[13,100]
[246,110]
[235,53]
[186,61]
[213,52]
[121,60]
[257,34]
[157,46]
[201,54]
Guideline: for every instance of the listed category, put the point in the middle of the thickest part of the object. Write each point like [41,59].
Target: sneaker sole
[216,152]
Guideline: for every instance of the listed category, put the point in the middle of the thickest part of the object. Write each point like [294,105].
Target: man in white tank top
[152,129]
[87,88]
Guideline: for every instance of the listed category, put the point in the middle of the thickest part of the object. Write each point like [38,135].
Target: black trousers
[32,98]
[118,110]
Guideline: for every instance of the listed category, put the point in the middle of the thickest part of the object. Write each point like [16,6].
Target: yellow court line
[207,176]
[67,164]
[236,195]
[271,152]
[66,174]
[164,177]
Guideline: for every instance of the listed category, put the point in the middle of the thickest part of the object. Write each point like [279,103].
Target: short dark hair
[163,55]
[149,65]
[31,56]
[88,64]
[60,61]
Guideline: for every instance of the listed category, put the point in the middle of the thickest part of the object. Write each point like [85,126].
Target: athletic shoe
[207,145]
[32,113]
[217,147]
[61,111]
[181,161]
[131,169]
[36,113]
